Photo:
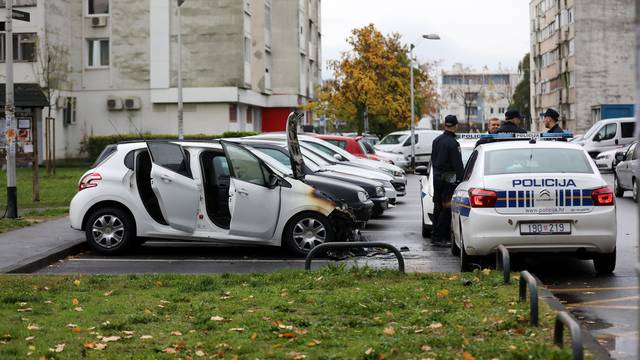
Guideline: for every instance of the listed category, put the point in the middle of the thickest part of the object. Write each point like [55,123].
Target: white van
[399,143]
[608,134]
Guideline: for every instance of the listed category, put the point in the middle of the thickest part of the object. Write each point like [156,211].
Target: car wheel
[306,231]
[605,263]
[110,231]
[635,190]
[617,190]
[455,250]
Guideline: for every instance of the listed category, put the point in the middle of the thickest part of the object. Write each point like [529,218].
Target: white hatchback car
[200,191]
[534,196]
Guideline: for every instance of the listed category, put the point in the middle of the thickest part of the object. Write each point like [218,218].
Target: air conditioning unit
[99,21]
[132,103]
[114,103]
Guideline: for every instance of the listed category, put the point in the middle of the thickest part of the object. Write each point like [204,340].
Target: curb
[39,261]
[589,342]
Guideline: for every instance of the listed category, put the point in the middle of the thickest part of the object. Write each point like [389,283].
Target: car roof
[524,144]
[612,120]
[335,137]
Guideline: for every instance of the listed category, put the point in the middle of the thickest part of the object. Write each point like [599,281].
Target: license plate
[545,228]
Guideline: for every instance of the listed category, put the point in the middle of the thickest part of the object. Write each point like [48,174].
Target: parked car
[349,144]
[608,134]
[279,151]
[367,138]
[605,161]
[626,171]
[214,191]
[399,143]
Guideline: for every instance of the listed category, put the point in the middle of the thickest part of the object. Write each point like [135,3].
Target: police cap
[450,120]
[512,114]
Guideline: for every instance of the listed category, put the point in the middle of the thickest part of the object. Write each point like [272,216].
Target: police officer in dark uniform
[512,123]
[446,160]
[551,121]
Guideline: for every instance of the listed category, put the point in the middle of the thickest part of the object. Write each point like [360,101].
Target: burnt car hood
[336,189]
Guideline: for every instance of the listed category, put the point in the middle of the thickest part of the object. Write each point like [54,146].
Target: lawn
[332,313]
[56,192]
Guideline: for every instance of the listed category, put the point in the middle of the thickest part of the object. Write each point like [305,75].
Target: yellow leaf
[425,348]
[314,343]
[33,327]
[254,336]
[436,325]
[108,293]
[237,329]
[389,331]
[90,345]
[78,309]
[200,353]
[76,329]
[76,282]
[101,346]
[216,318]
[467,356]
[59,348]
[111,338]
[443,293]
[146,337]
[29,338]
[176,333]
[368,351]
[25,310]
[75,301]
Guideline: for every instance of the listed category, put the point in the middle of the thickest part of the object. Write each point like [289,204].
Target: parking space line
[583,303]
[198,260]
[609,307]
[592,289]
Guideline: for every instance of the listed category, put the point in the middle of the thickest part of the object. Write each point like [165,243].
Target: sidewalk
[30,248]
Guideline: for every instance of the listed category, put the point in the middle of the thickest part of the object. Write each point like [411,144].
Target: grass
[333,313]
[56,191]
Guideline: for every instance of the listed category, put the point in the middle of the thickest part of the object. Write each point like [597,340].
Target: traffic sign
[20,15]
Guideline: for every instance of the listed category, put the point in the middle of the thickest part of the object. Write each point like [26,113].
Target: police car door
[460,203]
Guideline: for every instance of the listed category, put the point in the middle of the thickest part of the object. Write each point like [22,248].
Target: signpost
[9,110]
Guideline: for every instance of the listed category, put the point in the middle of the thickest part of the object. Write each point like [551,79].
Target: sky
[476,33]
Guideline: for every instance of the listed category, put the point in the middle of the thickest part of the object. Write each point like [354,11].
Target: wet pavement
[608,306]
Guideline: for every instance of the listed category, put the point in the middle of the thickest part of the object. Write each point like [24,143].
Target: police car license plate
[545,228]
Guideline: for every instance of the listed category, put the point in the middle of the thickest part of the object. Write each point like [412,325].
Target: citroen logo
[546,194]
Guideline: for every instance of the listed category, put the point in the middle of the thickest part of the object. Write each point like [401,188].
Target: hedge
[92,146]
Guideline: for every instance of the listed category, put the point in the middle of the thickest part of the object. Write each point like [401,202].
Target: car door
[253,203]
[625,168]
[173,184]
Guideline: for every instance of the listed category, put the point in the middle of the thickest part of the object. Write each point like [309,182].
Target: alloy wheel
[308,233]
[108,231]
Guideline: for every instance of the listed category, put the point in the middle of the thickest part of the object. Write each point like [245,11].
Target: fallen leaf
[33,327]
[389,331]
[467,356]
[147,312]
[296,355]
[90,345]
[170,350]
[126,332]
[71,325]
[512,347]
[254,336]
[216,318]
[436,325]
[108,293]
[29,338]
[443,293]
[106,323]
[418,331]
[519,331]
[76,330]
[486,272]
[78,309]
[287,335]
[467,304]
[59,348]
[200,353]
[425,348]
[512,311]
[76,282]
[237,329]
[176,333]
[25,310]
[368,351]
[313,343]
[146,337]
[111,338]
[101,346]
[48,302]
[75,301]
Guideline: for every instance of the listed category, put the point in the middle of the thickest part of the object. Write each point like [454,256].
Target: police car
[534,197]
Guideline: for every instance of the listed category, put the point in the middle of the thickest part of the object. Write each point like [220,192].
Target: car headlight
[603,156]
[380,191]
[363,196]
[398,173]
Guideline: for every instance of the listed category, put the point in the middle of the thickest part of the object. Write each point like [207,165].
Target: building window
[98,53]
[570,16]
[267,25]
[98,7]
[24,47]
[69,111]
[501,110]
[249,115]
[572,47]
[247,49]
[233,112]
[491,110]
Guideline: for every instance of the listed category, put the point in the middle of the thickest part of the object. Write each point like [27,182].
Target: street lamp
[180,104]
[413,126]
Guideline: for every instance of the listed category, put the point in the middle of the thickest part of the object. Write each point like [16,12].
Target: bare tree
[468,91]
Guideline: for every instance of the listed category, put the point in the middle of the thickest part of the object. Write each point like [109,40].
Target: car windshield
[466,154]
[591,131]
[536,161]
[393,139]
[273,163]
[330,149]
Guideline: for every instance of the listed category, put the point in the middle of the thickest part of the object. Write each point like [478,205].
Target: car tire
[455,250]
[617,190]
[636,190]
[426,229]
[118,231]
[467,263]
[305,231]
[605,263]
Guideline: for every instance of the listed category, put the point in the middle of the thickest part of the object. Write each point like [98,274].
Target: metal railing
[503,263]
[358,244]
[563,318]
[527,279]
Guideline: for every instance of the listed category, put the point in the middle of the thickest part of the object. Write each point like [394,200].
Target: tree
[522,94]
[373,78]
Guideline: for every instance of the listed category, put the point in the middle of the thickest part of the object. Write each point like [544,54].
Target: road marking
[578,304]
[593,289]
[610,307]
[199,260]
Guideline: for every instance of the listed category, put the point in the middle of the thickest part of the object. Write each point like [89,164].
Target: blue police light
[563,135]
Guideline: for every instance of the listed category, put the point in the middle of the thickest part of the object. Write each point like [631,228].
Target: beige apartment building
[245,64]
[582,60]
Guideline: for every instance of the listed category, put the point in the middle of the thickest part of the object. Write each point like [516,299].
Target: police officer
[446,160]
[551,121]
[512,123]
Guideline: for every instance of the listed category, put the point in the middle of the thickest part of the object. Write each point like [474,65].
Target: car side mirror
[422,170]
[273,181]
[620,157]
[597,138]
[338,157]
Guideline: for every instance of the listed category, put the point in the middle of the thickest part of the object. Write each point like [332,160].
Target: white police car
[534,197]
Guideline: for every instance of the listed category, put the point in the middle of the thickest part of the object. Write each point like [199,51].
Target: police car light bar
[518,136]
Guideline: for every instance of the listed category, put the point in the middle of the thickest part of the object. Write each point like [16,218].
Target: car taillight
[89,181]
[481,198]
[603,197]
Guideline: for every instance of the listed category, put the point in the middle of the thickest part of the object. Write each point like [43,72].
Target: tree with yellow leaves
[373,78]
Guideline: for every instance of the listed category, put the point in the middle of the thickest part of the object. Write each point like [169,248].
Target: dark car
[279,151]
[626,171]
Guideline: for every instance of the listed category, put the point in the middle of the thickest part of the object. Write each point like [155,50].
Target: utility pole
[12,199]
[180,104]
[413,125]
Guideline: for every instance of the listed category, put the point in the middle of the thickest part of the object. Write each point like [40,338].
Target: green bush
[92,146]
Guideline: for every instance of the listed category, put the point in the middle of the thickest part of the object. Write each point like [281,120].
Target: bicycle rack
[527,279]
[563,318]
[358,244]
[503,263]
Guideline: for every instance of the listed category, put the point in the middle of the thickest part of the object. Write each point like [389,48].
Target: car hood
[387,147]
[362,172]
[337,189]
[367,184]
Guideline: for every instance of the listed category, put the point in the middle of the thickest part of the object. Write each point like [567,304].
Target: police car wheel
[466,261]
[455,250]
[618,191]
[605,263]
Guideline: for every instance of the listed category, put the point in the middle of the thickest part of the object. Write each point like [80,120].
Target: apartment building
[582,59]
[245,64]
[476,96]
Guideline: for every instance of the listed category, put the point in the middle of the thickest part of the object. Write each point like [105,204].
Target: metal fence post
[527,279]
[503,263]
[563,318]
[356,244]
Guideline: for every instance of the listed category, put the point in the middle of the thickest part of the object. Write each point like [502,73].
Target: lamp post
[413,125]
[180,104]
[12,197]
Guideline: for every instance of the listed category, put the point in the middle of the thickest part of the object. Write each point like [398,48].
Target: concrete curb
[41,260]
[589,342]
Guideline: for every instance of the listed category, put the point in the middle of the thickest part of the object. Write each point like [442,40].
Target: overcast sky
[476,33]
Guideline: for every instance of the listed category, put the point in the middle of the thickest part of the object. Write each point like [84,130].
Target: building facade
[476,96]
[582,59]
[114,64]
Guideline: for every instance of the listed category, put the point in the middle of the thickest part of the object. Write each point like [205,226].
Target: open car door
[295,155]
[172,182]
[254,194]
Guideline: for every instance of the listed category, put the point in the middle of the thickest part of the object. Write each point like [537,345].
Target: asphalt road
[606,305]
